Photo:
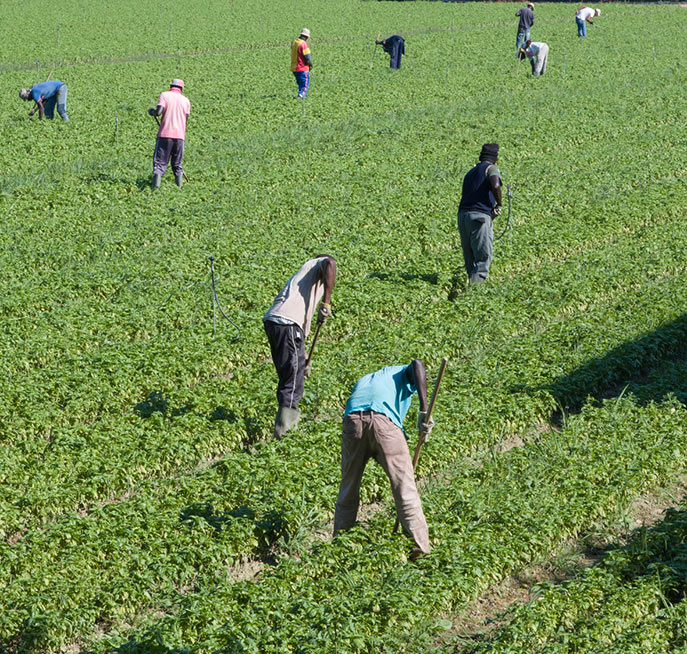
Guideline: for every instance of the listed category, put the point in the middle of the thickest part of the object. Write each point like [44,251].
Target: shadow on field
[430,278]
[265,527]
[651,368]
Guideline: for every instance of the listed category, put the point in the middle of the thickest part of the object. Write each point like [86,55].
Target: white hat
[598,12]
[305,32]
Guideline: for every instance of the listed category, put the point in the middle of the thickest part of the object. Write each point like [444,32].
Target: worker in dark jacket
[526,15]
[479,206]
[395,47]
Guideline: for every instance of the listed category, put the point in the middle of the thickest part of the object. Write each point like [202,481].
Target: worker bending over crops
[526,15]
[287,325]
[538,54]
[47,95]
[174,108]
[395,47]
[584,16]
[301,62]
[480,204]
[373,428]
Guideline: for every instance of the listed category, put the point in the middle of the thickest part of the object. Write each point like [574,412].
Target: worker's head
[597,12]
[25,94]
[530,5]
[305,33]
[490,152]
[178,83]
[528,43]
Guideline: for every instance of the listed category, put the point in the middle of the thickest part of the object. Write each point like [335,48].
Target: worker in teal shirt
[47,95]
[373,428]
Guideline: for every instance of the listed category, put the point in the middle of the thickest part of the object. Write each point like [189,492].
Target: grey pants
[166,149]
[59,100]
[539,67]
[368,435]
[476,240]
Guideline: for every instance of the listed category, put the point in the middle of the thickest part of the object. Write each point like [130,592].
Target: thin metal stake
[212,297]
[565,63]
[58,35]
[116,127]
[654,50]
[38,68]
[178,60]
[447,81]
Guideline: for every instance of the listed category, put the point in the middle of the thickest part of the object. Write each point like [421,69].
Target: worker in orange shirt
[301,61]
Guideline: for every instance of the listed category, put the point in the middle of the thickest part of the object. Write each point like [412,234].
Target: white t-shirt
[297,301]
[584,13]
[535,47]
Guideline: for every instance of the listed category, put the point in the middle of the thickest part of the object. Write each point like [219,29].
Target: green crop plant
[137,482]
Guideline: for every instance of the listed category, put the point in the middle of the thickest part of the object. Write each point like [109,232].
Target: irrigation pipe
[215,301]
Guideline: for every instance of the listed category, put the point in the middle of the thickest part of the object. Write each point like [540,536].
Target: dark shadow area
[430,278]
[651,368]
[156,402]
[268,526]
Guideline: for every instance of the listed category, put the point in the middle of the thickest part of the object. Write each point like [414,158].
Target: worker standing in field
[538,53]
[174,108]
[395,47]
[373,428]
[480,204]
[287,325]
[526,15]
[584,16]
[301,61]
[47,95]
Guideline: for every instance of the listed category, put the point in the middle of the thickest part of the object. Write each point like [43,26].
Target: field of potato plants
[144,507]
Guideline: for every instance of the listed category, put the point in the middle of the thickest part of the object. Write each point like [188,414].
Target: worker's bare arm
[418,376]
[329,278]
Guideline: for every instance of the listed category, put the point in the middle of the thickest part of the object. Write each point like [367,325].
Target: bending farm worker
[173,107]
[47,95]
[538,54]
[480,204]
[373,428]
[395,47]
[287,325]
[526,15]
[301,62]
[584,16]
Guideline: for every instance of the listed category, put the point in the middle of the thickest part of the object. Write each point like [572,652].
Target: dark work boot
[156,180]
[179,179]
[286,418]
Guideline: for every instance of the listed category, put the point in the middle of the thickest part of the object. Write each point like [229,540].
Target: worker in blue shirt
[47,95]
[373,428]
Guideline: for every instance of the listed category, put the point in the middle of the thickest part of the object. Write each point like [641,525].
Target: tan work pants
[369,434]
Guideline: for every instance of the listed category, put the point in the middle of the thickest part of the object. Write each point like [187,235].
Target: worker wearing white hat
[301,61]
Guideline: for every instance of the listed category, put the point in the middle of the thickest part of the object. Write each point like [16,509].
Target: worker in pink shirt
[174,108]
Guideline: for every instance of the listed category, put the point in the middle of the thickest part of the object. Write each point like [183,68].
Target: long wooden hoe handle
[312,347]
[428,417]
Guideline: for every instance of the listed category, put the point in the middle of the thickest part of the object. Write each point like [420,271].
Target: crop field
[144,506]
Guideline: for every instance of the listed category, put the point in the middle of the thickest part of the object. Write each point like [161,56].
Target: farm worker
[373,427]
[301,61]
[526,21]
[479,205]
[287,325]
[395,47]
[584,16]
[46,95]
[174,108]
[537,53]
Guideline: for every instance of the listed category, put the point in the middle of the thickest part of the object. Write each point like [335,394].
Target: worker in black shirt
[480,204]
[395,47]
[526,21]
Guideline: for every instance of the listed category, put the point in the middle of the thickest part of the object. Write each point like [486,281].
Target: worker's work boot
[156,180]
[179,179]
[286,418]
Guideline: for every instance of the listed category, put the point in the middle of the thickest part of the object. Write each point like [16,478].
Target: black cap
[490,152]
